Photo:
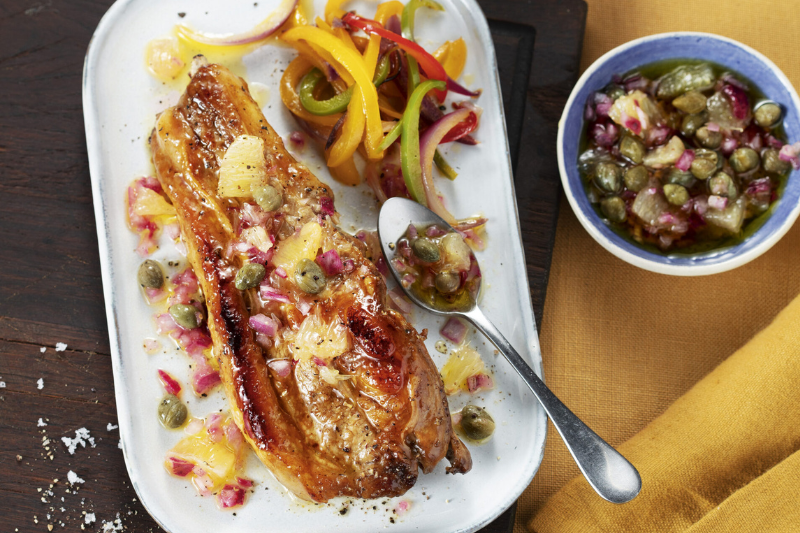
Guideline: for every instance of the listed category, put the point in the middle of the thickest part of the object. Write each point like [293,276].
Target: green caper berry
[676,194]
[692,102]
[616,92]
[709,139]
[632,148]
[767,114]
[150,275]
[691,123]
[249,276]
[722,185]
[172,412]
[705,164]
[267,197]
[184,315]
[447,282]
[426,250]
[607,177]
[309,276]
[773,163]
[744,159]
[613,208]
[679,177]
[476,423]
[636,178]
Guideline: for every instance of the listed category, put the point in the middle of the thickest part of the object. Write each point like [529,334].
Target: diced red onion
[684,162]
[230,496]
[252,215]
[773,142]
[263,324]
[759,186]
[303,306]
[712,126]
[244,482]
[326,205]
[701,205]
[205,378]
[457,88]
[454,330]
[738,99]
[631,123]
[605,134]
[408,280]
[729,144]
[269,293]
[281,272]
[349,265]
[297,140]
[658,135]
[318,361]
[264,29]
[165,323]
[589,114]
[400,301]
[380,264]
[154,295]
[330,262]
[791,154]
[202,482]
[479,382]
[435,231]
[173,231]
[602,104]
[717,202]
[412,231]
[179,467]
[170,384]
[632,83]
[729,78]
[194,426]
[667,218]
[213,427]
[282,367]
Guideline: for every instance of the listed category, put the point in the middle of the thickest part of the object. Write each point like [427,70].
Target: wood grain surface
[50,288]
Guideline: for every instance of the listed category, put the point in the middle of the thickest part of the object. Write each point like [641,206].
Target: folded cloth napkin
[725,457]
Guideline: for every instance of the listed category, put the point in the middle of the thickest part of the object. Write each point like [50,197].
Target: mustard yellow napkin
[725,457]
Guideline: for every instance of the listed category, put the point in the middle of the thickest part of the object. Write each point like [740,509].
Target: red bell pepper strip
[429,65]
[462,129]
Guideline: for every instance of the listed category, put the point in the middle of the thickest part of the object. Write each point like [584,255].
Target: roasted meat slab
[343,398]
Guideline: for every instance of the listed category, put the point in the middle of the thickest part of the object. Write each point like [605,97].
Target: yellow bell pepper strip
[432,69]
[409,142]
[309,53]
[338,103]
[352,130]
[326,56]
[346,173]
[388,10]
[333,9]
[453,56]
[289,81]
[354,63]
[372,52]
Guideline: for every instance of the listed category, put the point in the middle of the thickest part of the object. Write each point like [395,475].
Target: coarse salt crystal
[43,349]
[41,423]
[73,478]
[81,437]
[2,384]
[89,518]
[61,346]
[40,383]
[111,427]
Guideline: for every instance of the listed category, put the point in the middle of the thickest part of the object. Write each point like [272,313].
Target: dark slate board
[50,288]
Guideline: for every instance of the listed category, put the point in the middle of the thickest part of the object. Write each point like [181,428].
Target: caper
[172,412]
[447,282]
[150,275]
[767,114]
[632,148]
[676,194]
[613,208]
[636,178]
[249,276]
[691,123]
[607,176]
[184,315]
[744,159]
[679,177]
[722,185]
[309,276]
[426,250]
[692,102]
[705,163]
[267,197]
[476,423]
[708,138]
[615,92]
[773,162]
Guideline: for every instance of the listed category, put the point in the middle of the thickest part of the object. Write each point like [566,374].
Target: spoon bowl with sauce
[442,276]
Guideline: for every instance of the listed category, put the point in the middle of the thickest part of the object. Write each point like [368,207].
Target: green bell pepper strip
[393,134]
[409,141]
[407,26]
[338,103]
[443,166]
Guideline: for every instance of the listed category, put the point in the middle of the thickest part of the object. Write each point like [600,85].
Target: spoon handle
[606,470]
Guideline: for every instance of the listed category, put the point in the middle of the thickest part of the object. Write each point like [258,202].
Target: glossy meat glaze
[364,431]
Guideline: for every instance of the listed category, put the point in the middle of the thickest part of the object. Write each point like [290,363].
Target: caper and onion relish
[438,266]
[682,155]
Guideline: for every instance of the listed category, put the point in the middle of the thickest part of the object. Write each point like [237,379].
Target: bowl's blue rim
[732,257]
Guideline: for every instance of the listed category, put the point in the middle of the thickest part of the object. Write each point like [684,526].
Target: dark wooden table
[50,288]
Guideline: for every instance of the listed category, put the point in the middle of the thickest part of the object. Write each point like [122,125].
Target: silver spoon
[606,470]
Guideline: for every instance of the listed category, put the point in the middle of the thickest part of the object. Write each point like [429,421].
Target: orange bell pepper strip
[453,56]
[388,10]
[298,68]
[432,68]
[352,130]
[353,62]
[346,173]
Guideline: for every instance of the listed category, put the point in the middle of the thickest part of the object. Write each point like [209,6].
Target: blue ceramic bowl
[739,58]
